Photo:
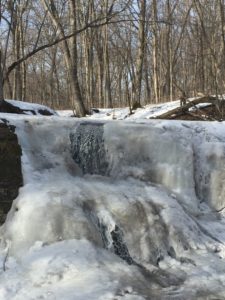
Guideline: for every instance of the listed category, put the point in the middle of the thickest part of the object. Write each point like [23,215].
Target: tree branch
[93,24]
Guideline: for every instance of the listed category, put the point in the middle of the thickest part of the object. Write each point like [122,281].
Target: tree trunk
[222,17]
[107,81]
[70,55]
[107,75]
[1,80]
[141,51]
[77,96]
[169,74]
[17,85]
[155,52]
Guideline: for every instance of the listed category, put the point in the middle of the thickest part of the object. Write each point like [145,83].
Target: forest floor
[207,108]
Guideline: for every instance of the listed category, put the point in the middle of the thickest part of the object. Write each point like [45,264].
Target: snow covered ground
[149,111]
[146,227]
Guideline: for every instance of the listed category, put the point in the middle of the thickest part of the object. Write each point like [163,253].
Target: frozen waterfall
[125,210]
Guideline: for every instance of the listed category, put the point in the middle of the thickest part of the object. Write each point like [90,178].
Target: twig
[219,210]
[5,258]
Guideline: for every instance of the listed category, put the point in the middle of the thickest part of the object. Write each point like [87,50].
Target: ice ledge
[188,158]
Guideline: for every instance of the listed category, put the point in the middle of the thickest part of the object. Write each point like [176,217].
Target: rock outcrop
[25,108]
[10,169]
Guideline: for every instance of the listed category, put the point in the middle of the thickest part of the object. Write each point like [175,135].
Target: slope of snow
[165,181]
[150,111]
[147,112]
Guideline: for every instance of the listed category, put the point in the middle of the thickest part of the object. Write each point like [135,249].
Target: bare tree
[155,51]
[70,51]
[141,51]
[1,71]
[110,52]
[1,79]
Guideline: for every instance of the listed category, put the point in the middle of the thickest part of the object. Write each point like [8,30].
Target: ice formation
[116,210]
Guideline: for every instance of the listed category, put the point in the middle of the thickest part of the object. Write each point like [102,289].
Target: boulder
[10,169]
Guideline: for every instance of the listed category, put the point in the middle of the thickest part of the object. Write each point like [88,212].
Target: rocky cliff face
[10,169]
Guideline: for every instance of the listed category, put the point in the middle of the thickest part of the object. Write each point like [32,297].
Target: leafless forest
[110,53]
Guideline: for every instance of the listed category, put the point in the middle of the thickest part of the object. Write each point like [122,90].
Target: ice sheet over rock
[88,148]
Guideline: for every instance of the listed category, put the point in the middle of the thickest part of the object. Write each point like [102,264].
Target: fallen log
[190,103]
[199,117]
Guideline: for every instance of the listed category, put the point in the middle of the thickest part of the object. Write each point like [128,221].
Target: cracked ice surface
[144,228]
